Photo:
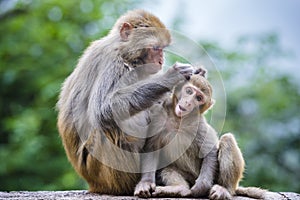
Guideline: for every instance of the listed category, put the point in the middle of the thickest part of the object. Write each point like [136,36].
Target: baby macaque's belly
[189,164]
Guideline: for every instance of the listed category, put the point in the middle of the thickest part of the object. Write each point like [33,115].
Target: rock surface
[85,195]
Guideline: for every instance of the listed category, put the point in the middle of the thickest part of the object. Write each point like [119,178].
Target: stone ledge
[85,195]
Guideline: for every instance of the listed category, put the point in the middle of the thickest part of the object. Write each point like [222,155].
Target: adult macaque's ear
[125,31]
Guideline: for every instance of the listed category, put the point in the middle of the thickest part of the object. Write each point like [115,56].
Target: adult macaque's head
[143,38]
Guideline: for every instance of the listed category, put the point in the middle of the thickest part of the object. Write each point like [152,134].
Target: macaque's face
[154,59]
[191,98]
[144,46]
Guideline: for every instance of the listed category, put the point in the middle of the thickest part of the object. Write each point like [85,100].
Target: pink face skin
[155,59]
[191,97]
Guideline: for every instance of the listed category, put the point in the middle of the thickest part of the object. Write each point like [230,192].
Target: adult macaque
[205,161]
[100,94]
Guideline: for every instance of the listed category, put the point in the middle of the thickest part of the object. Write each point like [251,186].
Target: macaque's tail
[253,192]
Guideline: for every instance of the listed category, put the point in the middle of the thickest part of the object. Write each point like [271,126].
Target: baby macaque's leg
[175,184]
[231,168]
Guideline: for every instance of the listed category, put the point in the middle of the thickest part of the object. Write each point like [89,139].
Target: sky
[224,21]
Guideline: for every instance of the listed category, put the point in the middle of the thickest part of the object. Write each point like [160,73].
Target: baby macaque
[187,158]
[185,133]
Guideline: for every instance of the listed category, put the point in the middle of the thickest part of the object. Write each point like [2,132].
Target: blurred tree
[263,109]
[39,44]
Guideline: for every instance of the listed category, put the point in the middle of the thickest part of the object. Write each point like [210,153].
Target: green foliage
[263,110]
[40,42]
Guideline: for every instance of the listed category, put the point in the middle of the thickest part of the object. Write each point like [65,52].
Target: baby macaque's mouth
[182,108]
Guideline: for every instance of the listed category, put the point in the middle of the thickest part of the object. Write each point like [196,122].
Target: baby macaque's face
[194,97]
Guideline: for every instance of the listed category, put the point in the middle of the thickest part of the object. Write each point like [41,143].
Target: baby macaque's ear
[201,71]
[212,103]
[206,107]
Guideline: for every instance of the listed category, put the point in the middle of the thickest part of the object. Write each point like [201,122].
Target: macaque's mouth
[182,108]
[161,61]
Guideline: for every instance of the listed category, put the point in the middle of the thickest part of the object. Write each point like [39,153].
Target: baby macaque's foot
[218,192]
[171,191]
[201,189]
[144,188]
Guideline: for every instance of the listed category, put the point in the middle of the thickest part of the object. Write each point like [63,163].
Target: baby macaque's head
[195,94]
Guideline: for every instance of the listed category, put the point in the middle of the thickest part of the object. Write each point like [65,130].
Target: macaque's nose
[161,52]
[188,103]
[190,99]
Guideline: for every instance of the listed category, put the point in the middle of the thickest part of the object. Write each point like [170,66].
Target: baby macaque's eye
[199,98]
[189,91]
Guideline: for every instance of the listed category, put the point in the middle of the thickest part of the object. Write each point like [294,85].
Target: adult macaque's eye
[155,48]
[199,98]
[189,91]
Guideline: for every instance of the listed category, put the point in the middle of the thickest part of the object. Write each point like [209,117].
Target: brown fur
[191,175]
[85,120]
